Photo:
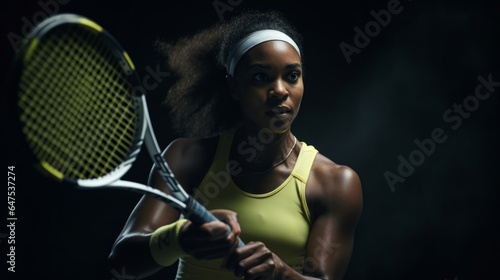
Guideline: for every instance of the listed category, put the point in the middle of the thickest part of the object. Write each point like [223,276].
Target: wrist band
[164,244]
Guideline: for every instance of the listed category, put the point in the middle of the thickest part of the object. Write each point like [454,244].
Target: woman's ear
[231,83]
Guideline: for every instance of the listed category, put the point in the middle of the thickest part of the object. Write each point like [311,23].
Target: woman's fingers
[210,240]
[230,218]
[253,261]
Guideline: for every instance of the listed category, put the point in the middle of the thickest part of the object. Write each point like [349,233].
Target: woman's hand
[254,261]
[209,241]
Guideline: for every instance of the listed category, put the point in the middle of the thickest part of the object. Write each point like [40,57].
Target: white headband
[251,41]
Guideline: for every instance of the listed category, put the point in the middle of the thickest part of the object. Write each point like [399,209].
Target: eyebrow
[265,66]
[260,65]
[293,65]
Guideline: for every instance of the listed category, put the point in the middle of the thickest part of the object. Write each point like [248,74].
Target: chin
[279,126]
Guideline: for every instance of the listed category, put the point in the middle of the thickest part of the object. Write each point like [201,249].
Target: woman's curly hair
[199,101]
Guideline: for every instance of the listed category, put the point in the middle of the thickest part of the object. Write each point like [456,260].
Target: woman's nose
[278,90]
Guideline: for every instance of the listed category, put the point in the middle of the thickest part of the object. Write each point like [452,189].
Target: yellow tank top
[280,219]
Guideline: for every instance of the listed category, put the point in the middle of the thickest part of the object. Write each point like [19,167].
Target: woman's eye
[260,77]
[294,76]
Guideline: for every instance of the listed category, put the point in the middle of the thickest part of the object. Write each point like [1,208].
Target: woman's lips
[279,112]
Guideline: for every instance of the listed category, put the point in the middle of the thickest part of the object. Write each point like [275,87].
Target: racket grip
[199,215]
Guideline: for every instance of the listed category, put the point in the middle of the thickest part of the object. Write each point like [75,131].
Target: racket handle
[199,215]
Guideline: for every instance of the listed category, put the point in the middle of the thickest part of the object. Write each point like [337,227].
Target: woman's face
[268,84]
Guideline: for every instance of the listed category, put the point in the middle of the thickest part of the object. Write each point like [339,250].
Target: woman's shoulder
[333,184]
[190,158]
[197,146]
[325,170]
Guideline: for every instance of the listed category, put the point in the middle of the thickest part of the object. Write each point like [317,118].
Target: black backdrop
[439,223]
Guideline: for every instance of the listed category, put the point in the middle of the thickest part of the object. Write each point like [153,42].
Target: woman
[295,209]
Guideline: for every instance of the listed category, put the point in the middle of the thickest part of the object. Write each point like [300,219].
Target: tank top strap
[302,167]
[223,149]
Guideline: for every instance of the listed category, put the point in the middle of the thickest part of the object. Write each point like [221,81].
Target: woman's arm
[336,202]
[131,254]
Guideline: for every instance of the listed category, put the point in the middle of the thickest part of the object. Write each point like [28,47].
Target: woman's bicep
[338,206]
[328,250]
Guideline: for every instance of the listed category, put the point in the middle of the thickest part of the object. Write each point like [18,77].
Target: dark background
[440,223]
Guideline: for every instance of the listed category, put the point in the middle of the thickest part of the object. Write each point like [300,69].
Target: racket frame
[180,200]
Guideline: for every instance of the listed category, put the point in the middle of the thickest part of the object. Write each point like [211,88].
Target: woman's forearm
[131,257]
[285,272]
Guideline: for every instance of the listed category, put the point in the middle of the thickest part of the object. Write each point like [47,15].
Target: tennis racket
[82,110]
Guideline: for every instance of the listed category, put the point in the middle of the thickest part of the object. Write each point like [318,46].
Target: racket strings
[76,106]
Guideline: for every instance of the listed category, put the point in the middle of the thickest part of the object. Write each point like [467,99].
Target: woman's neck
[260,150]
